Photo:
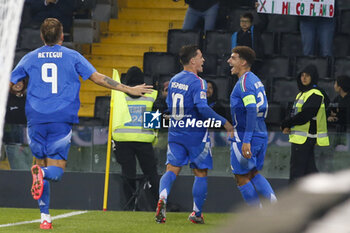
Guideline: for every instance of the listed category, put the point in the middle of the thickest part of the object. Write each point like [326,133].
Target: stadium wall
[84,191]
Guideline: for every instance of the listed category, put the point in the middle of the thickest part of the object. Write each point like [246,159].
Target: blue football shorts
[50,140]
[241,165]
[200,157]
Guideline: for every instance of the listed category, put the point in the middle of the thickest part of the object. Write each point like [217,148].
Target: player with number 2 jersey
[248,105]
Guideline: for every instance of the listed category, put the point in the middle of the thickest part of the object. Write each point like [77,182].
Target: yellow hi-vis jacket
[299,133]
[133,131]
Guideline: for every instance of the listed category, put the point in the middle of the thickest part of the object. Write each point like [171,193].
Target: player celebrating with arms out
[187,102]
[52,106]
[248,105]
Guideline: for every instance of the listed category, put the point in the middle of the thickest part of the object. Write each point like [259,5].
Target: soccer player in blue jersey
[52,106]
[249,106]
[188,140]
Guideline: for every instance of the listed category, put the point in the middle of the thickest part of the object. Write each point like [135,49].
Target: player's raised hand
[229,129]
[140,90]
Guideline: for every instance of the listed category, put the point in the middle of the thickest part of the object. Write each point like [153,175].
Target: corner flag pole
[118,116]
[108,156]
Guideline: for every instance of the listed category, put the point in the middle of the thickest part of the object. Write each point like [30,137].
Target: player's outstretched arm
[107,82]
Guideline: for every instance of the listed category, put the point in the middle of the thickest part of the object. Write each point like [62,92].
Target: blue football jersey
[249,92]
[53,87]
[185,91]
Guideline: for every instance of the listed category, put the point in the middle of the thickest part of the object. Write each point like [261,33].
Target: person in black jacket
[15,116]
[305,111]
[341,113]
[201,9]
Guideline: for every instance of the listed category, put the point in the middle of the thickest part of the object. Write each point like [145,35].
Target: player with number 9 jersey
[52,106]
[53,88]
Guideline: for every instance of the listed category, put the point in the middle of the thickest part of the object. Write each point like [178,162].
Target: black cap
[134,76]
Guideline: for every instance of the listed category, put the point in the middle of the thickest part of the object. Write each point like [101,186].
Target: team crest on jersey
[203,95]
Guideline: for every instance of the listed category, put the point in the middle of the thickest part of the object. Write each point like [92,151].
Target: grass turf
[109,221]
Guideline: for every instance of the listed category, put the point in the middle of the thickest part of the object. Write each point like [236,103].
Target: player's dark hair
[245,53]
[343,81]
[51,30]
[248,15]
[187,52]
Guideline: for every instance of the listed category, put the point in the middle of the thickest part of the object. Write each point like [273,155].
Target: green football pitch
[21,220]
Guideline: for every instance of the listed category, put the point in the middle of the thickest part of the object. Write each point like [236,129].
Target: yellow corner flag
[119,115]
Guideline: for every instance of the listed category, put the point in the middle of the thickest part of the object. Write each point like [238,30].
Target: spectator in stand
[15,116]
[213,102]
[218,135]
[160,103]
[317,30]
[201,9]
[341,113]
[249,35]
[15,104]
[60,9]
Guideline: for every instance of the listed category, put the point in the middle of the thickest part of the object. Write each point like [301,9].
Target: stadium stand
[343,4]
[322,64]
[217,42]
[289,44]
[178,38]
[85,31]
[223,68]
[274,116]
[102,107]
[162,79]
[327,84]
[158,63]
[210,65]
[102,10]
[345,21]
[282,23]
[341,67]
[269,41]
[223,83]
[341,45]
[19,54]
[278,66]
[284,89]
[30,39]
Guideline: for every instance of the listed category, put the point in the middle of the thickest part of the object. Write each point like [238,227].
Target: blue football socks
[52,173]
[44,201]
[199,192]
[166,182]
[249,194]
[264,187]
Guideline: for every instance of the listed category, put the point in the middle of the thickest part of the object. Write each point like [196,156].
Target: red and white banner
[323,8]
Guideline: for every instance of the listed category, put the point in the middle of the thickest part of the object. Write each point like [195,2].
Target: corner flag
[119,115]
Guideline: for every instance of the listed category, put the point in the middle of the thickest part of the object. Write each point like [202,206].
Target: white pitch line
[38,220]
